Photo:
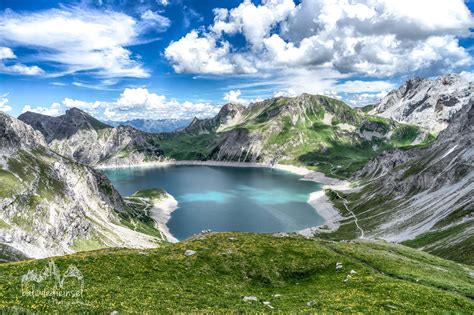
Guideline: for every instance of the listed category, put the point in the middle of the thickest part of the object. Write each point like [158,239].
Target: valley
[72,184]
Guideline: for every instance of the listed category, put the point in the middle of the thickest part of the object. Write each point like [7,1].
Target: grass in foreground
[291,273]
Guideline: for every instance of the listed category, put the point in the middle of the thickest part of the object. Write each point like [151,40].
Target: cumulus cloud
[4,107]
[370,37]
[15,68]
[69,102]
[138,103]
[78,39]
[53,110]
[468,75]
[233,96]
[361,99]
[202,54]
[285,93]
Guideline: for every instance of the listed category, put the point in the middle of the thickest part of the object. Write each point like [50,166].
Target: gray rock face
[86,140]
[15,134]
[228,114]
[425,189]
[51,205]
[427,103]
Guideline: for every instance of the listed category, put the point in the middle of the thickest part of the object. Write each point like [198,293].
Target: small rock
[276,295]
[250,298]
[353,272]
[311,303]
[189,252]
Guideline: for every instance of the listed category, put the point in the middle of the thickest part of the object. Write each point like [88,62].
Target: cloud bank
[133,103]
[79,40]
[377,38]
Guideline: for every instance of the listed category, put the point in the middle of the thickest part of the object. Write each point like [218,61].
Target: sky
[177,59]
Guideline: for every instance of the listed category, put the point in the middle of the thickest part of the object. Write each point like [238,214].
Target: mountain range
[411,178]
[152,125]
[81,137]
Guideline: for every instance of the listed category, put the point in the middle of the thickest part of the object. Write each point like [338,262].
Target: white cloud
[6,53]
[195,54]
[233,96]
[4,107]
[368,37]
[80,40]
[285,93]
[137,103]
[254,22]
[357,86]
[68,102]
[16,68]
[361,99]
[53,110]
[468,75]
[156,19]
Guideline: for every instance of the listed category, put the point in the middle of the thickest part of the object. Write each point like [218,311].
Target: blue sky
[121,59]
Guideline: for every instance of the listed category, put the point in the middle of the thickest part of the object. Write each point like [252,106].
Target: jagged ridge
[85,139]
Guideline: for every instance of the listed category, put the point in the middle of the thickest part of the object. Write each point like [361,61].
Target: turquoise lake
[218,198]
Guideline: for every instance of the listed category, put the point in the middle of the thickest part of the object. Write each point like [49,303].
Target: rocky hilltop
[310,130]
[85,139]
[423,196]
[51,205]
[427,103]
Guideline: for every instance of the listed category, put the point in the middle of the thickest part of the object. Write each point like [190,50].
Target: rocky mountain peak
[427,103]
[15,134]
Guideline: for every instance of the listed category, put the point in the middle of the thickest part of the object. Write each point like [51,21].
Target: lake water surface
[226,198]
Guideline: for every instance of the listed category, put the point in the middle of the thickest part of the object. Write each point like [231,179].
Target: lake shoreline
[318,200]
[161,213]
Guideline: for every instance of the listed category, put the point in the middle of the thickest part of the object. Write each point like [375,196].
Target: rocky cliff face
[424,196]
[229,115]
[86,140]
[427,103]
[51,205]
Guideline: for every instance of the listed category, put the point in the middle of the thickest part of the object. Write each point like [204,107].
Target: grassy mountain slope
[422,196]
[312,130]
[291,273]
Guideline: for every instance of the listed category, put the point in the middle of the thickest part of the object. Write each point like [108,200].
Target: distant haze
[153,125]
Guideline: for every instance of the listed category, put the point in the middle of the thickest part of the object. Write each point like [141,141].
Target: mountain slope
[311,130]
[423,196]
[426,103]
[83,138]
[50,205]
[230,272]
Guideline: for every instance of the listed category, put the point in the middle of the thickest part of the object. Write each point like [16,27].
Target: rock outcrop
[427,103]
[83,138]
